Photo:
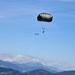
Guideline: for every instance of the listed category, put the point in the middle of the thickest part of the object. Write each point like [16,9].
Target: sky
[18,24]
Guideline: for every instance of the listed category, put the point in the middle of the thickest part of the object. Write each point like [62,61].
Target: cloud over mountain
[25,59]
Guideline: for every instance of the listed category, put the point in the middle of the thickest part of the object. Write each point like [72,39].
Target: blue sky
[18,23]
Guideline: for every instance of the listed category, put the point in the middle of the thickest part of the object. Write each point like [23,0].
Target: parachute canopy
[45,17]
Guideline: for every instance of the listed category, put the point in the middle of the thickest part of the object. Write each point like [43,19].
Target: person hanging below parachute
[43,30]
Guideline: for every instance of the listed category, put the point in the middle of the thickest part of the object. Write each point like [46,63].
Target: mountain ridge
[9,71]
[25,67]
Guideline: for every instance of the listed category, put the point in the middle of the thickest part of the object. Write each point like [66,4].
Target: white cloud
[5,57]
[65,65]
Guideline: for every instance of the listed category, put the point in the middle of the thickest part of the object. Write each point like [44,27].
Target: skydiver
[43,30]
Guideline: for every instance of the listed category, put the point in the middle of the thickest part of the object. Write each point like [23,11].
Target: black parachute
[45,17]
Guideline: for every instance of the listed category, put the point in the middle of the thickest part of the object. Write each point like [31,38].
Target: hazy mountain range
[25,67]
[30,66]
[29,63]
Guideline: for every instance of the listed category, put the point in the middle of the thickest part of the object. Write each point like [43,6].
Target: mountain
[9,71]
[34,65]
[38,72]
[66,73]
[44,72]
[25,67]
[7,64]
